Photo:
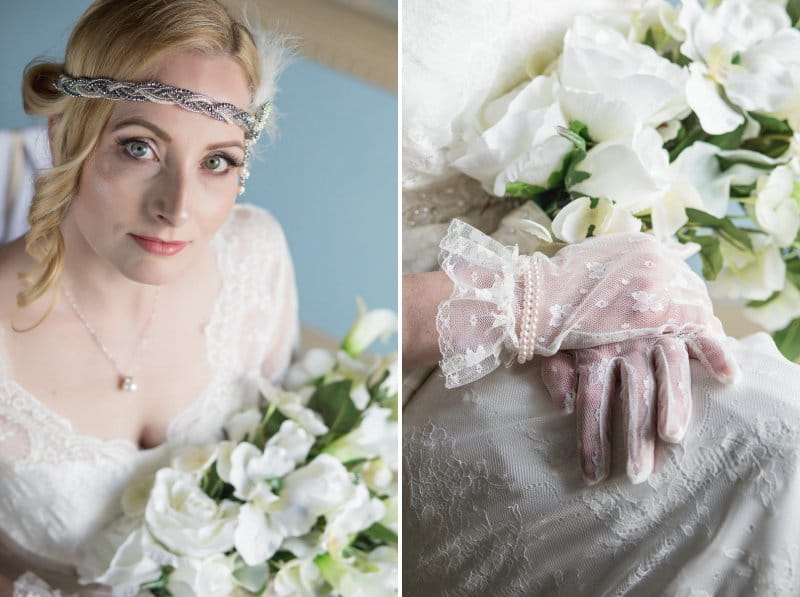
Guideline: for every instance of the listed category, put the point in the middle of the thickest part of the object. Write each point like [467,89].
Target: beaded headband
[153,91]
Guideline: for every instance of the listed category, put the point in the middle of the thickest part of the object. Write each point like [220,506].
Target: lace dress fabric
[494,502]
[58,487]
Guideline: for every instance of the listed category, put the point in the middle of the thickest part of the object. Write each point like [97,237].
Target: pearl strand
[525,315]
[530,312]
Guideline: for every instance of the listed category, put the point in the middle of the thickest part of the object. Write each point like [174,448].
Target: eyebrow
[159,132]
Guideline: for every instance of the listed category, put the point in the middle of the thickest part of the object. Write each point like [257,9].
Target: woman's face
[162,180]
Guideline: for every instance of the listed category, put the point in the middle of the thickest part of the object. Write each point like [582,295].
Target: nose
[170,201]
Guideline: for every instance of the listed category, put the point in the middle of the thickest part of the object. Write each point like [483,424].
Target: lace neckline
[41,411]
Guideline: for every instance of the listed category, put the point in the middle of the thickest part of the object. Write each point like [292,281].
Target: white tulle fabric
[58,487]
[606,289]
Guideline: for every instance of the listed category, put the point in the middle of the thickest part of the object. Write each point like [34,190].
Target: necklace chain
[125,382]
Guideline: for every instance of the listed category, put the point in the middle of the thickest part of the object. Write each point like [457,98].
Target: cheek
[215,210]
[104,192]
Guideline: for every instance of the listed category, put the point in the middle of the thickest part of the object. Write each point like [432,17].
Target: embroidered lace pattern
[57,487]
[495,503]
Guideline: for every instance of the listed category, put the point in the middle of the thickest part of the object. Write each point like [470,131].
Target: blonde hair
[117,39]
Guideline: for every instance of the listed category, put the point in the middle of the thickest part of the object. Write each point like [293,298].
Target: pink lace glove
[612,288]
[654,382]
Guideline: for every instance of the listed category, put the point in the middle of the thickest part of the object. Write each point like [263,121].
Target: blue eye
[136,148]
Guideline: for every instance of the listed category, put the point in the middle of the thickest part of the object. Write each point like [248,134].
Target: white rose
[629,85]
[634,175]
[132,564]
[380,581]
[519,139]
[185,519]
[294,441]
[292,406]
[712,38]
[779,312]
[378,476]
[368,327]
[249,466]
[777,208]
[242,423]
[573,221]
[748,276]
[374,437]
[697,182]
[258,536]
[359,512]
[194,458]
[315,363]
[296,578]
[207,577]
[309,492]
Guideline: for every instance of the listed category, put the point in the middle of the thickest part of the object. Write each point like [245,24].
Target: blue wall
[330,177]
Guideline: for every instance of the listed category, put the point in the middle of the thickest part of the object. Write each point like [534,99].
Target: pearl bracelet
[529,317]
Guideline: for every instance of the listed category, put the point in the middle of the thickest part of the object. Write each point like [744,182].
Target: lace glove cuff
[477,325]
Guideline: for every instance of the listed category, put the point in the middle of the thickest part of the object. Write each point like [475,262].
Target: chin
[155,273]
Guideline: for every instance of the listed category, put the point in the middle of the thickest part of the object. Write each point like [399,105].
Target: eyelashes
[126,143]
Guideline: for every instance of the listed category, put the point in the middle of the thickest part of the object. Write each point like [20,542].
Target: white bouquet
[299,499]
[678,119]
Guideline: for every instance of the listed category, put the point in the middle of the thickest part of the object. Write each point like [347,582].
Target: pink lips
[158,246]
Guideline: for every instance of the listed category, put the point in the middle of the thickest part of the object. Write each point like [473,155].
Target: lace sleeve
[270,327]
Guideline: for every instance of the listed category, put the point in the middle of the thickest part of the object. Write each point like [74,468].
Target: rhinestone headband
[153,91]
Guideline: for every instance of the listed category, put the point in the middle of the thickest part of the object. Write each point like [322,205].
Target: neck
[97,286]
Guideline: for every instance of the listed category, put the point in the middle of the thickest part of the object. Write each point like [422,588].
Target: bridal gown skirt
[495,504]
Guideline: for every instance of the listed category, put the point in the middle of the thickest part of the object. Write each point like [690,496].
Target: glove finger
[637,392]
[674,388]
[559,377]
[593,404]
[711,351]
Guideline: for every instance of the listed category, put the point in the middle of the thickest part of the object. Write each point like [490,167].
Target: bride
[494,500]
[143,304]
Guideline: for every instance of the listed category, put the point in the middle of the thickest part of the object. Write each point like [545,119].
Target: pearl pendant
[127,383]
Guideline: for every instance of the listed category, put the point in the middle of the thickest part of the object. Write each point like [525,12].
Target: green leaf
[333,402]
[269,425]
[793,8]
[593,201]
[793,271]
[590,231]
[770,124]
[523,190]
[697,216]
[731,139]
[788,340]
[570,135]
[726,227]
[766,301]
[159,587]
[213,486]
[382,534]
[737,58]
[742,190]
[710,254]
[578,127]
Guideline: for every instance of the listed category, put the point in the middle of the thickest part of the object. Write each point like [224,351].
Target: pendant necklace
[125,382]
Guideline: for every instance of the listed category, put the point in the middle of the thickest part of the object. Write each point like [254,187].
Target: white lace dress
[58,487]
[493,499]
